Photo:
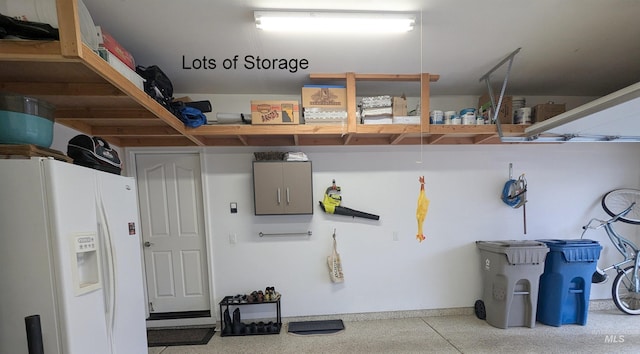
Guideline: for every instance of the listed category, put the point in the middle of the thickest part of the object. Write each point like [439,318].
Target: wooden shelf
[93,98]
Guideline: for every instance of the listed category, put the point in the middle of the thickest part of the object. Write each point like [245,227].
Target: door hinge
[151,307]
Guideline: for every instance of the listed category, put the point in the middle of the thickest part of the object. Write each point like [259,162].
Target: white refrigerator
[70,252]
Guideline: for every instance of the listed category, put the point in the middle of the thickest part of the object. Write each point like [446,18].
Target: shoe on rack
[227,322]
[274,294]
[253,297]
[275,328]
[253,328]
[237,324]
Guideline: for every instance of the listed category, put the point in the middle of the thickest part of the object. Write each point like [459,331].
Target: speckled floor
[607,331]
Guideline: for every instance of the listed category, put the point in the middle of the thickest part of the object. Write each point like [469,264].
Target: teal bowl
[25,120]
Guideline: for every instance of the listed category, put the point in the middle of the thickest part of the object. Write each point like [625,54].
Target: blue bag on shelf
[190,116]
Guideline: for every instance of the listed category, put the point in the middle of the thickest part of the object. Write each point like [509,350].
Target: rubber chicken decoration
[423,207]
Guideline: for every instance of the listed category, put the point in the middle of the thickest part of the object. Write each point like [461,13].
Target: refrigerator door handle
[110,289]
[104,267]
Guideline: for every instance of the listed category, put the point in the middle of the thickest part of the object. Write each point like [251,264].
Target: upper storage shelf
[88,93]
[92,97]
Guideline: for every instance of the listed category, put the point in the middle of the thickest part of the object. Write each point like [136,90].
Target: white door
[171,214]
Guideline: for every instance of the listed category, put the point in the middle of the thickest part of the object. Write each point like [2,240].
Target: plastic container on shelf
[436,117]
[468,116]
[511,272]
[565,285]
[25,120]
[449,115]
[518,102]
[522,115]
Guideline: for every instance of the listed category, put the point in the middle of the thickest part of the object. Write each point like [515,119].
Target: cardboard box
[505,114]
[542,112]
[122,68]
[324,96]
[275,112]
[399,105]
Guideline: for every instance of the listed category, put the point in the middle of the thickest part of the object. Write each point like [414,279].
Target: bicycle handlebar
[611,220]
[624,212]
[602,223]
[588,225]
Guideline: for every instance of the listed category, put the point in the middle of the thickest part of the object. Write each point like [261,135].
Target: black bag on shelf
[26,29]
[157,84]
[94,152]
[203,106]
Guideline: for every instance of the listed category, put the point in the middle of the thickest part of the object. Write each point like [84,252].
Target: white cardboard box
[122,68]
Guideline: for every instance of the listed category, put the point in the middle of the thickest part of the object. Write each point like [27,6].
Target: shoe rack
[231,323]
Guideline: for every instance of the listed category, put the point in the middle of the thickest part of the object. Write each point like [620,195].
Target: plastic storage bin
[25,120]
[511,274]
[565,285]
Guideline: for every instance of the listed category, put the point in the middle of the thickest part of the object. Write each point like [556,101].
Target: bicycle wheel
[624,292]
[616,201]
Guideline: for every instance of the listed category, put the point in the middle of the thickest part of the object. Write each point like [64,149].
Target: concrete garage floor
[607,331]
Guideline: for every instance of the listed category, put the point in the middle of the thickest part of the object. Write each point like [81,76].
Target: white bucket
[448,115]
[437,117]
[45,11]
[516,104]
[468,118]
[522,116]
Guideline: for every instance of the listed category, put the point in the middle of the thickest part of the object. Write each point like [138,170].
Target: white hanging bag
[335,266]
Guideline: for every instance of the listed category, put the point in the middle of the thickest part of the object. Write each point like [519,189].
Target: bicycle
[620,204]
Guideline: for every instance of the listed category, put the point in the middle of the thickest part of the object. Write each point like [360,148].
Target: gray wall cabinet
[281,187]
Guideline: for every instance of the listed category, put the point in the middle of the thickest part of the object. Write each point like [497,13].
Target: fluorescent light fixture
[336,22]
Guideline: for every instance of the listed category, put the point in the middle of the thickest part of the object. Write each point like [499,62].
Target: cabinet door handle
[278,196]
[288,201]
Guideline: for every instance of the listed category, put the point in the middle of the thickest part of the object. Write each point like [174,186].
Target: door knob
[148,244]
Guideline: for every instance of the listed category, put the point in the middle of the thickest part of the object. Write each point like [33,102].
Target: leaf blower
[331,204]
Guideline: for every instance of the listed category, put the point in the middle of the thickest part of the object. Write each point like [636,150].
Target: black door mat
[167,337]
[177,315]
[316,327]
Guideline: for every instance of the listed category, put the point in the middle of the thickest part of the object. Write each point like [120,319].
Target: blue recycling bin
[565,284]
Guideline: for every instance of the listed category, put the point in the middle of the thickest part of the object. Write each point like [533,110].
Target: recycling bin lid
[503,244]
[517,251]
[575,250]
[578,242]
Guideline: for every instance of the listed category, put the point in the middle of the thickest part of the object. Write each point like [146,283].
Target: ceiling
[569,47]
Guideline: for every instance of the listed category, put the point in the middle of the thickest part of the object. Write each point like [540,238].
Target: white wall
[463,183]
